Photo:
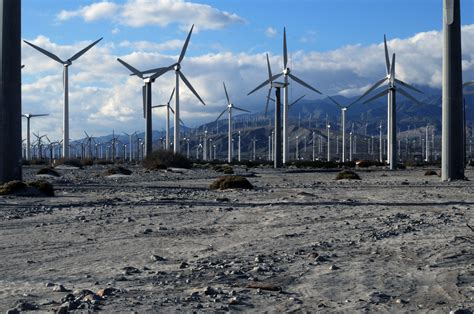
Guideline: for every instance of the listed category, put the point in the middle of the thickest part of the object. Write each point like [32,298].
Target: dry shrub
[163,159]
[14,187]
[117,170]
[72,162]
[431,173]
[231,182]
[43,186]
[87,162]
[347,174]
[49,171]
[103,162]
[225,169]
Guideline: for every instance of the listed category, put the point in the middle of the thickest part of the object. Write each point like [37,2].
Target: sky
[335,46]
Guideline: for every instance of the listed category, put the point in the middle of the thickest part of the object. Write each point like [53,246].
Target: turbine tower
[10,91]
[343,115]
[66,64]
[393,86]
[146,96]
[229,108]
[168,108]
[277,153]
[287,73]
[28,117]
[452,155]
[177,69]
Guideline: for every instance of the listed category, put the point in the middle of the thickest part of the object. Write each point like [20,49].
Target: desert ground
[298,242]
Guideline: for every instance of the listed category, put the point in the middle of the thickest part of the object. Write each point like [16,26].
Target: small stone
[13,311]
[333,267]
[106,292]
[147,231]
[461,311]
[26,306]
[183,265]
[157,258]
[49,284]
[129,270]
[401,301]
[233,301]
[60,288]
[210,291]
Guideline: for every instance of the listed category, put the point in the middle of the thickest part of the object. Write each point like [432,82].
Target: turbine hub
[286,71]
[177,67]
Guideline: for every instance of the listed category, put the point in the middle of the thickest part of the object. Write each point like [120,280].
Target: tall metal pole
[229,135]
[238,151]
[176,138]
[28,140]
[278,136]
[329,142]
[392,131]
[10,91]
[344,134]
[350,146]
[286,146]
[380,143]
[66,112]
[148,133]
[167,143]
[452,155]
[314,140]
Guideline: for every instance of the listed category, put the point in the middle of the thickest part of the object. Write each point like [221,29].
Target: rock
[234,301]
[210,291]
[129,270]
[333,267]
[82,293]
[49,284]
[147,231]
[13,311]
[183,265]
[157,258]
[461,311]
[60,288]
[106,292]
[401,301]
[379,297]
[26,306]
[91,298]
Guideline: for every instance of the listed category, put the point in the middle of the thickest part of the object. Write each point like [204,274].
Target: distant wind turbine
[229,108]
[394,85]
[66,64]
[28,116]
[146,98]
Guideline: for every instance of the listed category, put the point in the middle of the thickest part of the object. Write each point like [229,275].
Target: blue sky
[334,45]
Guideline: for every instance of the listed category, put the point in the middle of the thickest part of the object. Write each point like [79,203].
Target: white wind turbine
[229,108]
[28,116]
[66,64]
[146,97]
[394,85]
[177,69]
[287,73]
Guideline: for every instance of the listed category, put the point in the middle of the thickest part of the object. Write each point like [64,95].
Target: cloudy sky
[336,46]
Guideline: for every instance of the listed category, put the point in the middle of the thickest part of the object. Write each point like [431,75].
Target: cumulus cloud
[271,32]
[103,97]
[152,46]
[139,13]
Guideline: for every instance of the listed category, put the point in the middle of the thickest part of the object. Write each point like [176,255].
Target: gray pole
[392,131]
[167,127]
[452,163]
[229,136]
[344,134]
[10,91]
[28,140]
[350,146]
[286,146]
[329,142]
[176,115]
[278,136]
[148,132]
[66,112]
[238,151]
[380,143]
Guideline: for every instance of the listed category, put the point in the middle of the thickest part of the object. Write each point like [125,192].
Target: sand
[300,241]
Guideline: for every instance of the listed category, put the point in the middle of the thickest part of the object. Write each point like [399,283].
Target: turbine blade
[87,135]
[83,51]
[226,95]
[468,84]
[377,84]
[382,93]
[171,97]
[221,114]
[285,50]
[269,69]
[181,122]
[45,52]
[259,86]
[144,100]
[185,80]
[392,70]
[159,106]
[297,100]
[271,99]
[185,47]
[408,86]
[387,59]
[268,99]
[132,69]
[160,72]
[409,96]
[241,109]
[171,109]
[335,102]
[274,77]
[299,81]
[39,115]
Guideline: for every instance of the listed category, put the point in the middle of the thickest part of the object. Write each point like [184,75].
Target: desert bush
[347,174]
[37,162]
[226,169]
[87,162]
[431,173]
[103,162]
[368,163]
[401,166]
[165,158]
[117,170]
[68,162]
[231,182]
[314,164]
[43,186]
[12,187]
[49,171]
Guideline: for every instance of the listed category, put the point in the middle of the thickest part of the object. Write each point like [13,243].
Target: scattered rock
[461,311]
[183,265]
[347,175]
[106,292]
[333,267]
[157,258]
[60,288]
[264,286]
[231,182]
[129,270]
[13,311]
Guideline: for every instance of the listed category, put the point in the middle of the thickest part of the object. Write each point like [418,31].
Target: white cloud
[139,13]
[271,32]
[104,97]
[115,31]
[151,46]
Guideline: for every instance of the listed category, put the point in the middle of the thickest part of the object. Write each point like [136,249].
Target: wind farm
[315,187]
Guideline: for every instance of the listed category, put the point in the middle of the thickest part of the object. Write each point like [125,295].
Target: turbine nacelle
[177,67]
[286,71]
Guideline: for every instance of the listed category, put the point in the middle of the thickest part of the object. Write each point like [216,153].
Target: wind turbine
[168,108]
[343,115]
[277,161]
[229,108]
[146,96]
[287,73]
[28,116]
[66,64]
[177,69]
[393,86]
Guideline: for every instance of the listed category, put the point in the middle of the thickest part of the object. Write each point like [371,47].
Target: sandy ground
[300,241]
